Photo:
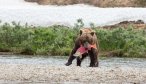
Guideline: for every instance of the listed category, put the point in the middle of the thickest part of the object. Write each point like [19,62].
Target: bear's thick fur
[86,37]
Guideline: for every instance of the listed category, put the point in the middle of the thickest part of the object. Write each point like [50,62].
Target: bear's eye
[92,33]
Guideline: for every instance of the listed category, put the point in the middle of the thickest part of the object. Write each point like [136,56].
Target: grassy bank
[58,40]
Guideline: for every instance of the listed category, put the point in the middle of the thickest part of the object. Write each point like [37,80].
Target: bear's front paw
[67,64]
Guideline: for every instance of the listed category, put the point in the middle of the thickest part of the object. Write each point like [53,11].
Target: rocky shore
[98,3]
[23,73]
[139,24]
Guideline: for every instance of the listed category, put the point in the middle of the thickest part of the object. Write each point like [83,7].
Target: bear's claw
[67,64]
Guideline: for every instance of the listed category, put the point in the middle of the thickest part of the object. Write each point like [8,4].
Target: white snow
[34,14]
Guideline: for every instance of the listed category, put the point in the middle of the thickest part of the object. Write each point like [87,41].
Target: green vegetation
[59,40]
[127,42]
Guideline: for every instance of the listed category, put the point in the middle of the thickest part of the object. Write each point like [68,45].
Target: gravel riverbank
[38,73]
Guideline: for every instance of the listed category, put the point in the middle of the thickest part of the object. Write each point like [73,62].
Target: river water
[61,60]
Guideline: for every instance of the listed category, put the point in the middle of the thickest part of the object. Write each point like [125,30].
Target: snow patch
[34,14]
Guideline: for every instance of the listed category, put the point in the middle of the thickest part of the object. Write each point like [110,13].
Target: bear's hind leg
[79,60]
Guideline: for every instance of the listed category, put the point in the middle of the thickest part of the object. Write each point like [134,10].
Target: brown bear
[87,43]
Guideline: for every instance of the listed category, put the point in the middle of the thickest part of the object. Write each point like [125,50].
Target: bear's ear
[92,33]
[81,32]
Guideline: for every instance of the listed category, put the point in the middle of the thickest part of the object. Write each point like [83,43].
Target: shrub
[58,40]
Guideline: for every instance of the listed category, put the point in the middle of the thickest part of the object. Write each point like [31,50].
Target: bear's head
[87,37]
